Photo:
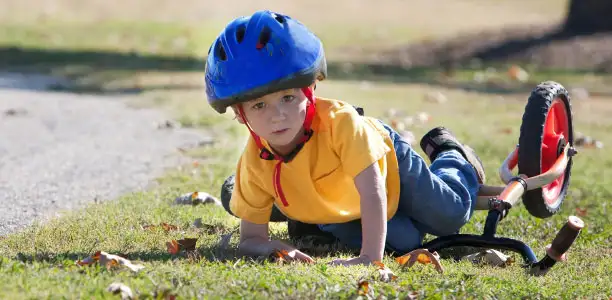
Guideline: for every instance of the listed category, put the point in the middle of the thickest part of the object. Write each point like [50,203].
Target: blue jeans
[437,200]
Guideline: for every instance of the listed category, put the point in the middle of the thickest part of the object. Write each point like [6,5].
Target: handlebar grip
[565,238]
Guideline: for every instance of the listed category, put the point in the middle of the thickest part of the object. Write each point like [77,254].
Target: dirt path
[60,151]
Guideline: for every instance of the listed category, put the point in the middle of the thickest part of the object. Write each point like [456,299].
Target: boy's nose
[279,113]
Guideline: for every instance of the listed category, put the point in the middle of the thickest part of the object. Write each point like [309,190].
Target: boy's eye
[288,98]
[259,105]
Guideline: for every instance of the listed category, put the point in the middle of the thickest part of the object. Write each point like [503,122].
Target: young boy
[318,161]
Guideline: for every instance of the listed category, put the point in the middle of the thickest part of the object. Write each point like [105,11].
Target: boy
[318,161]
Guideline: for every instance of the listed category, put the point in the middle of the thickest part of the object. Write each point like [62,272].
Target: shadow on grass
[449,58]
[89,71]
[313,246]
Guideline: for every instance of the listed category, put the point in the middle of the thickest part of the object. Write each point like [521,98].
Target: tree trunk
[589,16]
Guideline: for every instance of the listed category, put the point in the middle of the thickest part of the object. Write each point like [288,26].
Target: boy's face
[278,118]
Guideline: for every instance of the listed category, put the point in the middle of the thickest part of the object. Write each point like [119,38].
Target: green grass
[39,262]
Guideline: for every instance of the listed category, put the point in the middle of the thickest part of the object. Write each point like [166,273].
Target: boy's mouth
[280,131]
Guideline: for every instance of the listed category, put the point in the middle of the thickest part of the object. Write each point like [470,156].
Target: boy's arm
[255,241]
[371,187]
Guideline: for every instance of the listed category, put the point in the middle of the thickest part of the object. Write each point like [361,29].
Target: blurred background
[133,46]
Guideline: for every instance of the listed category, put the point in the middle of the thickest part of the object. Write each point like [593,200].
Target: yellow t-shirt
[318,183]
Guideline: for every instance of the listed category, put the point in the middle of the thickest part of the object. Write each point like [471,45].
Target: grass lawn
[161,59]
[40,261]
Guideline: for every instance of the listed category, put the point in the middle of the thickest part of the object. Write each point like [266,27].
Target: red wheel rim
[556,129]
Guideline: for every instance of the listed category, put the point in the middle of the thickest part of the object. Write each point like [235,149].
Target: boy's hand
[361,260]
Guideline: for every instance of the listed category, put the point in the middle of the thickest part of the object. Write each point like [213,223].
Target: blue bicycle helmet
[261,54]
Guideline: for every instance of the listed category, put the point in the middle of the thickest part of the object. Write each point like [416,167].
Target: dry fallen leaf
[581,212]
[402,260]
[363,287]
[490,257]
[173,247]
[109,261]
[280,256]
[188,244]
[167,227]
[90,260]
[116,288]
[422,256]
[379,264]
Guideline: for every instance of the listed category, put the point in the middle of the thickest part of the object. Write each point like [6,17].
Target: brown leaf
[402,260]
[581,212]
[363,287]
[422,256]
[424,259]
[109,261]
[280,256]
[187,244]
[90,260]
[173,247]
[379,264]
[167,227]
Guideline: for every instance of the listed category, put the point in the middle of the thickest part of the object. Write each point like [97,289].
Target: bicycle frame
[499,199]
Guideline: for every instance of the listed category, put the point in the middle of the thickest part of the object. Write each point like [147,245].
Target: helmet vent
[240,33]
[264,38]
[220,52]
[279,18]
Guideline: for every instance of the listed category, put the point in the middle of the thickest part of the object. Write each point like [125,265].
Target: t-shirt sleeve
[356,141]
[249,201]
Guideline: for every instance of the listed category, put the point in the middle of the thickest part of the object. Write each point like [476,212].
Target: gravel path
[60,151]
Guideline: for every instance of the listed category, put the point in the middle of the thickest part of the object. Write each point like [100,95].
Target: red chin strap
[269,155]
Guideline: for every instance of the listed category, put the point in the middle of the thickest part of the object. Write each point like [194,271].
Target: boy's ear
[237,116]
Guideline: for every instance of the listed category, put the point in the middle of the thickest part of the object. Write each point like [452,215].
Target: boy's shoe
[441,139]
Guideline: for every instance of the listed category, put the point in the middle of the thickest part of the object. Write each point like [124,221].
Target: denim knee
[454,214]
